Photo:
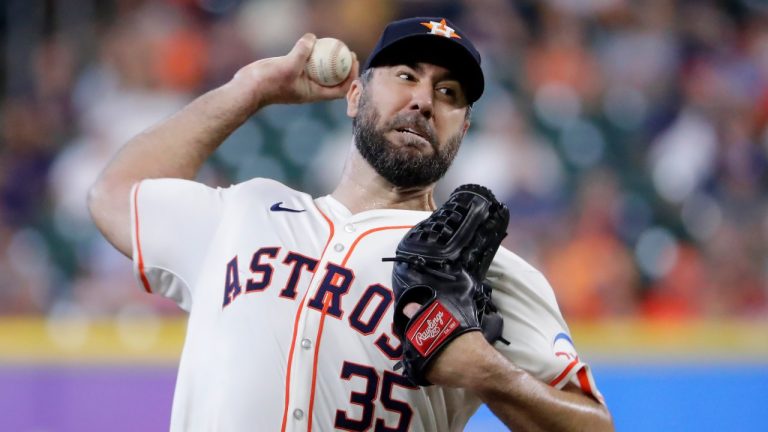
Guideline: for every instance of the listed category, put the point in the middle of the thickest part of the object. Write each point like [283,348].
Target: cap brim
[437,50]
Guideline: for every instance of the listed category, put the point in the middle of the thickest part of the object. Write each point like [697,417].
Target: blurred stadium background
[629,138]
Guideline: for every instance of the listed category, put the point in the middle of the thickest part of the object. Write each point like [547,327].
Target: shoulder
[507,263]
[257,184]
[262,187]
[510,270]
[251,191]
[260,184]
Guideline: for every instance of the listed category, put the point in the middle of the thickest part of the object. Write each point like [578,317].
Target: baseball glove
[440,264]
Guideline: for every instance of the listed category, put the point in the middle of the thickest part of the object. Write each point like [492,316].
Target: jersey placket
[308,340]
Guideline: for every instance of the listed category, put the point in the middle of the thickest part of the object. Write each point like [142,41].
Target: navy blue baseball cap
[431,40]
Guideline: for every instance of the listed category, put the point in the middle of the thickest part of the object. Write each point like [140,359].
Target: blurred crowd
[629,138]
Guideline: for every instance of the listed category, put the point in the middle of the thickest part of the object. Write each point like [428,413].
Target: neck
[361,188]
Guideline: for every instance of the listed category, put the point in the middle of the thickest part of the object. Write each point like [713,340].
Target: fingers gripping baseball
[283,79]
[315,87]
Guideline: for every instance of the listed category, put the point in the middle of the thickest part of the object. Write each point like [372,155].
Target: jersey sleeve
[173,222]
[540,342]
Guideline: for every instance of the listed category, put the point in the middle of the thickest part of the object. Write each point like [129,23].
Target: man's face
[409,122]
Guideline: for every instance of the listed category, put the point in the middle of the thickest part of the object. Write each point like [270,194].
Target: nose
[421,99]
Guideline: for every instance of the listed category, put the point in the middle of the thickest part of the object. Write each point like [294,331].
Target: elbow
[91,198]
[605,420]
[108,202]
[95,200]
[109,206]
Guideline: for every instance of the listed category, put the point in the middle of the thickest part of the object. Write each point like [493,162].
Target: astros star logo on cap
[440,28]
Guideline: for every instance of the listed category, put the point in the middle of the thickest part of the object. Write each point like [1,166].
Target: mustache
[416,122]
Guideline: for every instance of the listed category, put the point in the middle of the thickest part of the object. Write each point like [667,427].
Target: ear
[353,98]
[465,128]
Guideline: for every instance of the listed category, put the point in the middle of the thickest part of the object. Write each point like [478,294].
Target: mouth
[411,131]
[414,133]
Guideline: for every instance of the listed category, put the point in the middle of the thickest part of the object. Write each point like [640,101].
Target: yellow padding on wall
[151,340]
[134,341]
[673,340]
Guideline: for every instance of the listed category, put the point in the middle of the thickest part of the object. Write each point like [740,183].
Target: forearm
[518,399]
[524,403]
[179,146]
[175,148]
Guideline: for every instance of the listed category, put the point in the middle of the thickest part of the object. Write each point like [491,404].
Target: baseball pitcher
[371,308]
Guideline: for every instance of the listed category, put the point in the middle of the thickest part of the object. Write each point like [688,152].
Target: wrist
[487,369]
[491,376]
[247,87]
[469,362]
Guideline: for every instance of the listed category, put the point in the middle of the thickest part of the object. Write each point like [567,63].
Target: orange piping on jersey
[586,387]
[326,303]
[296,327]
[142,275]
[325,309]
[564,373]
[370,231]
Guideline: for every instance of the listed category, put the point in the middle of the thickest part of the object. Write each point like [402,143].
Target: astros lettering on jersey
[290,311]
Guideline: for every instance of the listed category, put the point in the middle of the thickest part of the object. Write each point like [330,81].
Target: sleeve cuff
[579,374]
[138,258]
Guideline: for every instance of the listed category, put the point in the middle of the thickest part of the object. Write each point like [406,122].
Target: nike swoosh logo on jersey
[278,207]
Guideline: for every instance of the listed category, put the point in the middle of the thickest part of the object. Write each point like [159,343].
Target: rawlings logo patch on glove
[432,328]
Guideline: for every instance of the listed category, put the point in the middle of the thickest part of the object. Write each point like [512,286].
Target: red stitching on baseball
[313,69]
[335,55]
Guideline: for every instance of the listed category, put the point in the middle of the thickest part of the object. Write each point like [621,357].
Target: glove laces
[421,264]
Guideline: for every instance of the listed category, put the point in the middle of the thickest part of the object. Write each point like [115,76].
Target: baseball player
[290,305]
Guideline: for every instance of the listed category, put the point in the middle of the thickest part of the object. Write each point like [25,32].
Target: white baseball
[330,62]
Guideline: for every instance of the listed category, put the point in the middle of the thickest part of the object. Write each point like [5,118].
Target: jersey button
[349,228]
[306,343]
[298,414]
[338,247]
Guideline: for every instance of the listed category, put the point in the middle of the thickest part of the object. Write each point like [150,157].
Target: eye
[448,91]
[451,92]
[407,76]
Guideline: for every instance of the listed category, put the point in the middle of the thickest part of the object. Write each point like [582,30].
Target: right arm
[178,146]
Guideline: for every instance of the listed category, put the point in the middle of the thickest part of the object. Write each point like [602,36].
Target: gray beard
[402,169]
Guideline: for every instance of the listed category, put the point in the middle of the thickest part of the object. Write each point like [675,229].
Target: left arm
[518,399]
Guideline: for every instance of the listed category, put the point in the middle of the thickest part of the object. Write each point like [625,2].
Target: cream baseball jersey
[290,311]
